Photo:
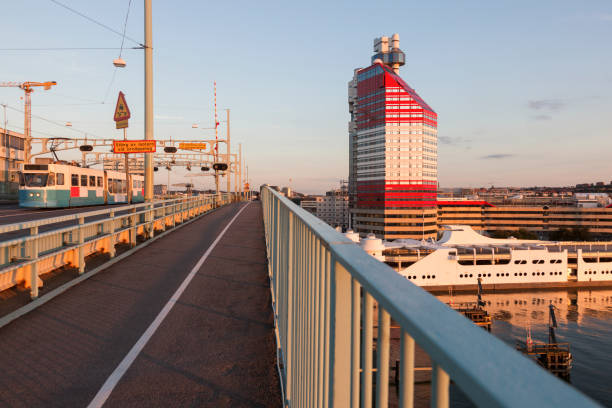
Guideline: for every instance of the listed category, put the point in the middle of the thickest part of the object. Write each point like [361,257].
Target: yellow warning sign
[134,146]
[122,112]
[192,146]
[122,124]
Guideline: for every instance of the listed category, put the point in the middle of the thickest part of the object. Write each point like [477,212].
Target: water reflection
[585,321]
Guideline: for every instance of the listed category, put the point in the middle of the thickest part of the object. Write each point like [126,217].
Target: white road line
[111,382]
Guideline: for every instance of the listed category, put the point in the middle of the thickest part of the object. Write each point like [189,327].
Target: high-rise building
[392,150]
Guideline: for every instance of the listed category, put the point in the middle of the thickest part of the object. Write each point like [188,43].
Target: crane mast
[28,88]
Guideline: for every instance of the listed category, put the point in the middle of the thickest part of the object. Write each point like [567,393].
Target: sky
[522,89]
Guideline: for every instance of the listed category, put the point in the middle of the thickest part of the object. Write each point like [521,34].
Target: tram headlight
[31,194]
[37,194]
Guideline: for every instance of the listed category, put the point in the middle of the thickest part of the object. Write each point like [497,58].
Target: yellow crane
[28,88]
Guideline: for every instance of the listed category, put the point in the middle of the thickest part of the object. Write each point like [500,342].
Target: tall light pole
[148,51]
[240,165]
[228,174]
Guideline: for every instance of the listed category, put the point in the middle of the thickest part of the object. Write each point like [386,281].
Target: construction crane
[28,88]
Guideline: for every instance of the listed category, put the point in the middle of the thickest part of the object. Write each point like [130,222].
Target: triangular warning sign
[122,112]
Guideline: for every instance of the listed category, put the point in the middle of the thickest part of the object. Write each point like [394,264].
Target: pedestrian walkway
[213,347]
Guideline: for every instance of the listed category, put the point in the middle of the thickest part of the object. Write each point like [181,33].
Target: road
[213,348]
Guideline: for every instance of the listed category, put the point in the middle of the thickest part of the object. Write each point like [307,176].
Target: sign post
[122,115]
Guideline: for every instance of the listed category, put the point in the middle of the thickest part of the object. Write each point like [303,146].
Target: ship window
[471,275]
[433,276]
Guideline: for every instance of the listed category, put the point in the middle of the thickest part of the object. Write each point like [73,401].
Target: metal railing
[68,240]
[324,291]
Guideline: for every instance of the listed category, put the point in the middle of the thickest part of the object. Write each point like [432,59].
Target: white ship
[461,256]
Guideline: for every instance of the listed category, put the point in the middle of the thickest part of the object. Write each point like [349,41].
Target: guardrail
[24,259]
[324,291]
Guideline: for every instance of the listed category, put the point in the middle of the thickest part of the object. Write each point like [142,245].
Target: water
[584,319]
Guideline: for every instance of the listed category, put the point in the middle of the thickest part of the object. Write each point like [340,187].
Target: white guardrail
[324,291]
[24,259]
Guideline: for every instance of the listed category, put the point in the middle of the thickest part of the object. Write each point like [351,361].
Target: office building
[392,150]
[11,155]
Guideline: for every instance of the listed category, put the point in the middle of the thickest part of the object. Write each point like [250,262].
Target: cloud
[455,141]
[551,105]
[497,156]
[604,16]
[542,117]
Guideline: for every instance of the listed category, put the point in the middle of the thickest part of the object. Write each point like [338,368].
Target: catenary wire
[95,21]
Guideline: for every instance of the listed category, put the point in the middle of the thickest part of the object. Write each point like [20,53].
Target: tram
[64,185]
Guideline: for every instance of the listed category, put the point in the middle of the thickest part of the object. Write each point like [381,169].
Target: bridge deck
[215,347]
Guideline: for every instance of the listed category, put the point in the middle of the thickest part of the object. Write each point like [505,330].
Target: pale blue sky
[522,89]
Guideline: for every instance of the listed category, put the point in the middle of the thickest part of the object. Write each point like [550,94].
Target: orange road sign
[134,146]
[192,146]
[122,112]
[121,124]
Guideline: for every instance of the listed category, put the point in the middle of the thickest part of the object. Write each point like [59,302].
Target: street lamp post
[228,174]
[148,51]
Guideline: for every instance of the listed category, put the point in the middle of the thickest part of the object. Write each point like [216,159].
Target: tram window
[60,179]
[51,179]
[111,186]
[92,181]
[123,186]
[35,179]
[83,180]
[21,179]
[75,180]
[100,184]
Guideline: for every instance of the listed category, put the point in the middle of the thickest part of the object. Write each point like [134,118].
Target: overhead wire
[66,48]
[95,22]
[62,125]
[112,81]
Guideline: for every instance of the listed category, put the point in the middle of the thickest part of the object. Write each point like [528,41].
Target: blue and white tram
[61,185]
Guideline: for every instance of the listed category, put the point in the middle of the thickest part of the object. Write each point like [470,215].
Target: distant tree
[574,234]
[521,233]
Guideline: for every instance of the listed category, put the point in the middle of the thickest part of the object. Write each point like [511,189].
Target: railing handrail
[489,372]
[71,217]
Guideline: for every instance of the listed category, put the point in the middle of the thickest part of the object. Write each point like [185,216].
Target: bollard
[81,248]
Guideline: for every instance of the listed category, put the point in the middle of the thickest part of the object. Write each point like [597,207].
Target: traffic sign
[122,124]
[122,112]
[134,146]
[192,146]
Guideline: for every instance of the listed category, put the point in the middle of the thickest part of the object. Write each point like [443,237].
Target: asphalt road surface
[214,348]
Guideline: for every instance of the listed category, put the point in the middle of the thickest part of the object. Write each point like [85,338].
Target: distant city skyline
[522,90]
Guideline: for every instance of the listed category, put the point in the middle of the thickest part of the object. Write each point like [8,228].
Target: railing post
[355,342]
[288,304]
[81,237]
[366,351]
[33,254]
[382,375]
[151,220]
[111,231]
[340,336]
[133,228]
[406,371]
[439,387]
